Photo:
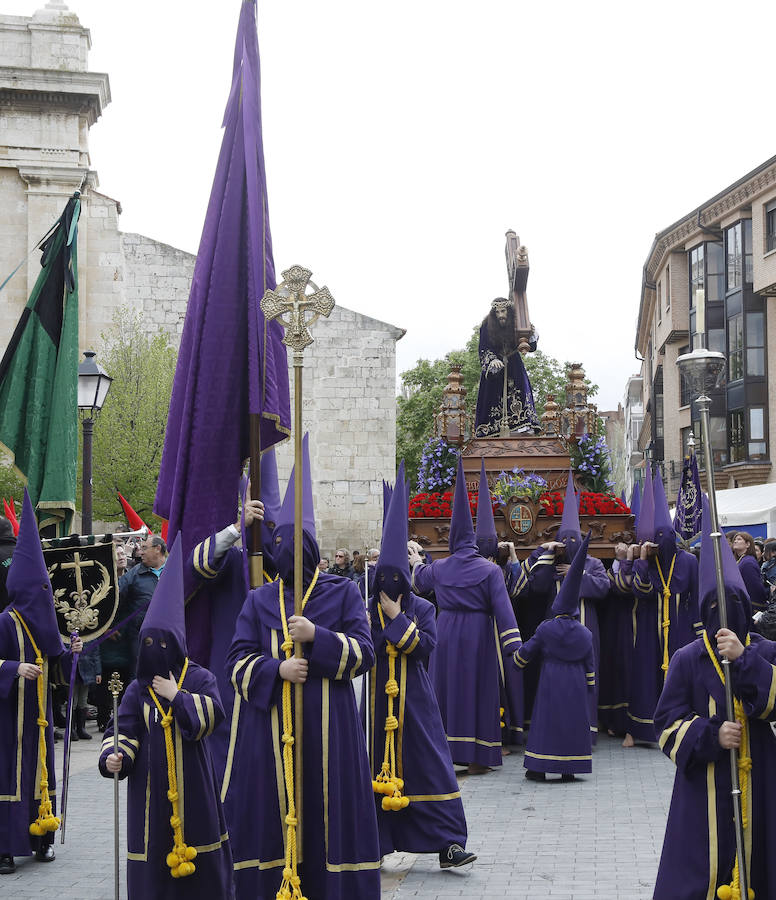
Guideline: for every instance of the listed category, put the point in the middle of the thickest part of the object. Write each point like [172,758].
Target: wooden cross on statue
[517,272]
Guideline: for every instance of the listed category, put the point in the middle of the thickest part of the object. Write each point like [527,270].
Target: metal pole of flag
[115,687]
[291,297]
[705,368]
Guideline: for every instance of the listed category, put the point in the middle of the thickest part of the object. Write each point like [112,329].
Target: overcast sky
[403,139]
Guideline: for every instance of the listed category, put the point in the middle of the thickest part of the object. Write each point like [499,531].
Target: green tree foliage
[129,434]
[423,386]
[11,486]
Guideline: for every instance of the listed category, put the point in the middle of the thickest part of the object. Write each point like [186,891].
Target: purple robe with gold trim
[196,711]
[19,742]
[560,738]
[434,818]
[477,635]
[699,846]
[339,850]
[616,632]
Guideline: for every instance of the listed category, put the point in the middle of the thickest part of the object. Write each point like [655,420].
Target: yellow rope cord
[666,609]
[387,781]
[290,886]
[732,891]
[179,859]
[46,820]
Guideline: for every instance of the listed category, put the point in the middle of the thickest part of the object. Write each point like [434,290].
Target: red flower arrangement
[440,506]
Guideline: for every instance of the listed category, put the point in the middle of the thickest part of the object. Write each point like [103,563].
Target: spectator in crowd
[89,673]
[323,564]
[7,544]
[768,568]
[743,550]
[342,565]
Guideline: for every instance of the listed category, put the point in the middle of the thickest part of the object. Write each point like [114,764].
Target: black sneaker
[7,865]
[567,777]
[454,856]
[534,776]
[45,854]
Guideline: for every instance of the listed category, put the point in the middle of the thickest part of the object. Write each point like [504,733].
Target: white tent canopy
[751,509]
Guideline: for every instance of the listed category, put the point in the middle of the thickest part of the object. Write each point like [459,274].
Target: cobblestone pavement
[597,838]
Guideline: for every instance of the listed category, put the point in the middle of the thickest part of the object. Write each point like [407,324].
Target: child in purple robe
[419,806]
[337,853]
[30,647]
[560,739]
[476,632]
[177,840]
[699,850]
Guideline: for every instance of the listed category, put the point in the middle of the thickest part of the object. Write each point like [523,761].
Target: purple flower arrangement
[590,460]
[518,484]
[438,464]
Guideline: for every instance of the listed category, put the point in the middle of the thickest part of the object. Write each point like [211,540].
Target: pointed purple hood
[283,535]
[392,573]
[387,492]
[270,489]
[635,503]
[29,586]
[665,535]
[485,535]
[566,603]
[645,530]
[569,532]
[164,623]
[461,526]
[739,607]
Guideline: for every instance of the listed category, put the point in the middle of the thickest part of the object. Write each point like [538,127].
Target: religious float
[527,457]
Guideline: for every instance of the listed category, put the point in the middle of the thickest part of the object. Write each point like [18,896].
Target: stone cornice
[59,180]
[20,85]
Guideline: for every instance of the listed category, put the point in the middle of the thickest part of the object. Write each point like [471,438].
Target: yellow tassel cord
[666,609]
[179,859]
[732,891]
[387,782]
[290,886]
[46,820]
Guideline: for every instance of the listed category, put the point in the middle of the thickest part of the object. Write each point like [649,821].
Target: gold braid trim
[387,782]
[46,820]
[179,859]
[732,891]
[666,609]
[290,886]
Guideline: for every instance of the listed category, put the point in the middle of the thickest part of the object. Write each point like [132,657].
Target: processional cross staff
[77,565]
[115,687]
[291,298]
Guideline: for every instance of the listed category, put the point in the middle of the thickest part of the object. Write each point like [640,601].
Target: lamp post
[93,386]
[704,370]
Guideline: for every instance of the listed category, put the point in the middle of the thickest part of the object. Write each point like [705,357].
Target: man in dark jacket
[7,544]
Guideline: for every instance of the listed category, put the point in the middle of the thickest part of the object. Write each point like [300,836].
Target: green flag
[39,380]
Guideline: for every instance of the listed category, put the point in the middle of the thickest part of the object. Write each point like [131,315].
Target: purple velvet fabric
[435,818]
[214,391]
[476,638]
[560,738]
[339,843]
[699,853]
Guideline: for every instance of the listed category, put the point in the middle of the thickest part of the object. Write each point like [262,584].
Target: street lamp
[703,371]
[93,386]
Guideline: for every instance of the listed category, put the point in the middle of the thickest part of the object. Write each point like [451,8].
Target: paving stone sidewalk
[597,838]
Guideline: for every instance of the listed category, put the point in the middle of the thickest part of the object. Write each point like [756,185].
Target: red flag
[165,525]
[10,514]
[133,519]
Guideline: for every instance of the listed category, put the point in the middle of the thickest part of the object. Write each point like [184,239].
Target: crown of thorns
[501,303]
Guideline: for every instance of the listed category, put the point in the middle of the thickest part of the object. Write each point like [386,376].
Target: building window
[697,292]
[755,343]
[715,273]
[684,386]
[748,263]
[735,347]
[659,302]
[668,288]
[737,445]
[756,444]
[719,447]
[770,226]
[658,394]
[734,256]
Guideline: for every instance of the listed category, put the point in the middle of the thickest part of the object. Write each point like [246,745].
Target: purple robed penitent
[196,710]
[215,391]
[338,845]
[30,602]
[477,635]
[560,737]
